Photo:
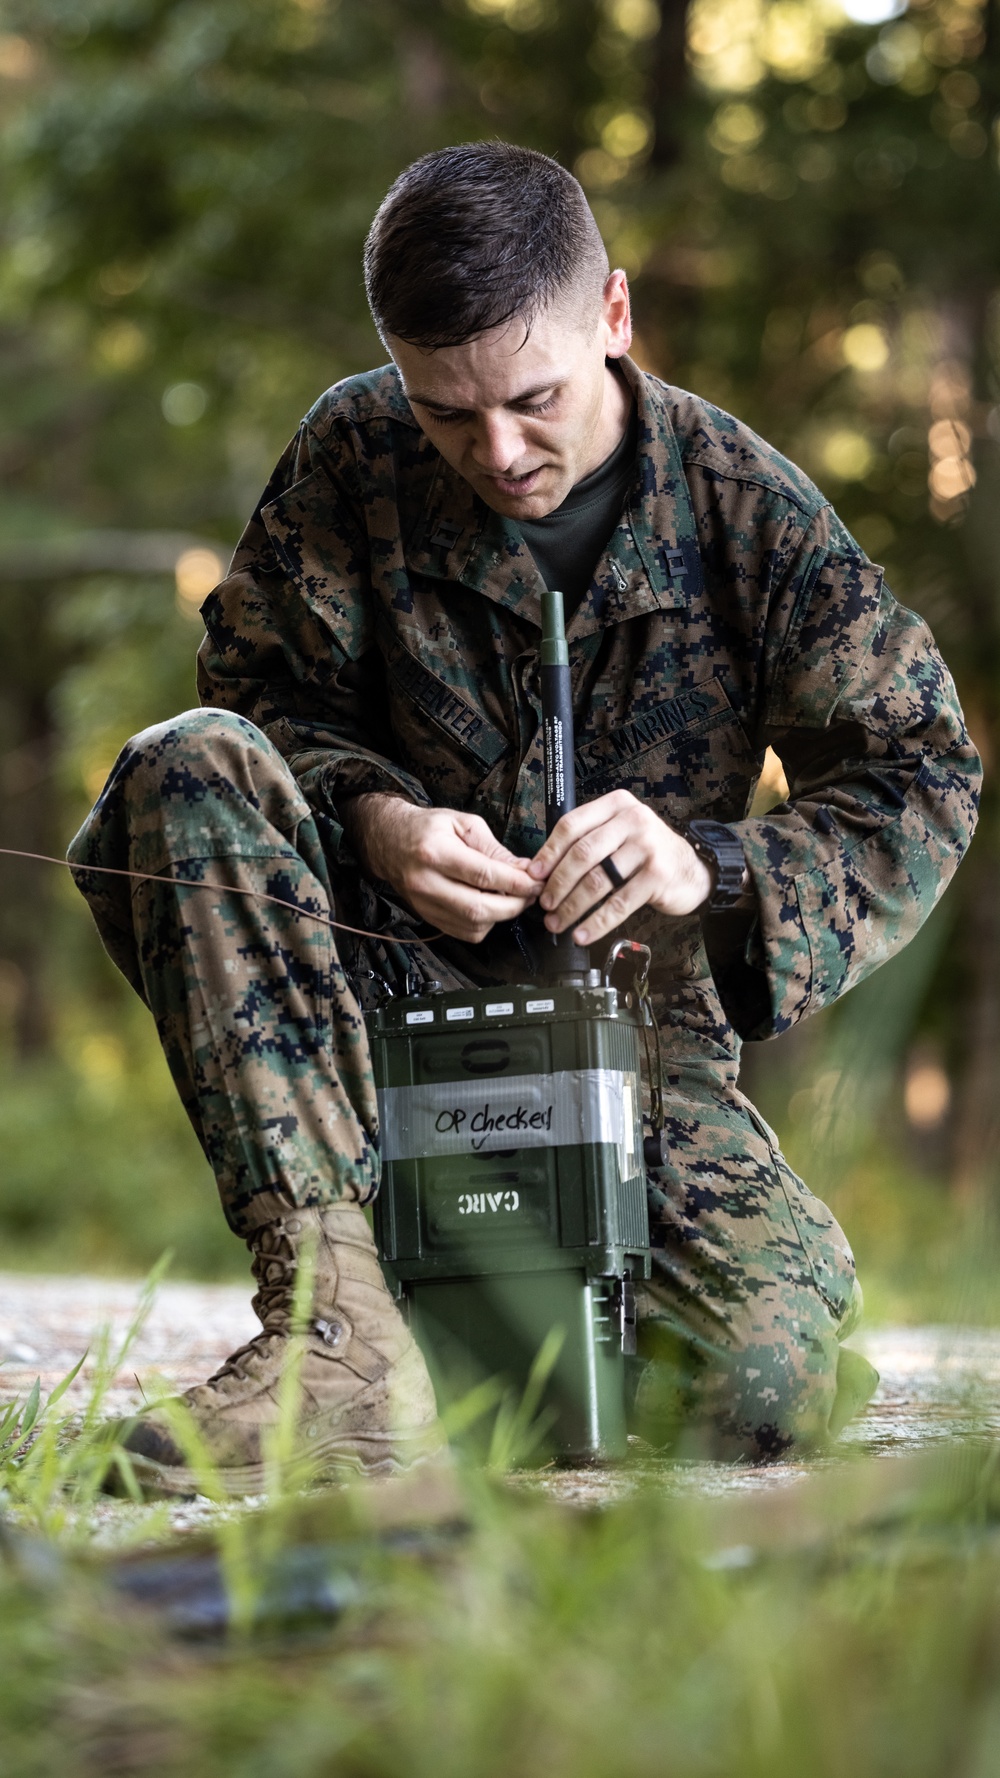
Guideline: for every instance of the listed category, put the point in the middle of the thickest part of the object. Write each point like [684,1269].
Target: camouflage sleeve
[289,637]
[883,784]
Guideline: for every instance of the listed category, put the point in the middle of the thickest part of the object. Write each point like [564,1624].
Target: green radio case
[513,1193]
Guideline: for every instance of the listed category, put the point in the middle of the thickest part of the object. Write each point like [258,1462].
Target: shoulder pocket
[834,617]
[325,556]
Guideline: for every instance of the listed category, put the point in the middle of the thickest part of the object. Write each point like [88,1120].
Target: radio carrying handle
[628,947]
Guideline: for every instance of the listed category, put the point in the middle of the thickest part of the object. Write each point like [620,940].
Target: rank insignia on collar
[447,535]
[620,581]
[673,560]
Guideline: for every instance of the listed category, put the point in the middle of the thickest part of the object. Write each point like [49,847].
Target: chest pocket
[688,755]
[440,735]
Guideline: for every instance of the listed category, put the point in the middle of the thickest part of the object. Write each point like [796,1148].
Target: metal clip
[628,947]
[624,1312]
[384,989]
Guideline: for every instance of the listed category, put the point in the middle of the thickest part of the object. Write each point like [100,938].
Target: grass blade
[31,1406]
[66,1382]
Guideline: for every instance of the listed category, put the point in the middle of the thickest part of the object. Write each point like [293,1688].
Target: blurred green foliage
[809,210]
[856,1631]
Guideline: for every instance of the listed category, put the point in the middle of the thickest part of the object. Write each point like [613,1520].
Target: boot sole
[333,1459]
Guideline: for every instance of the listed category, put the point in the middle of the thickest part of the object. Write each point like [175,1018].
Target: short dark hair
[469,238]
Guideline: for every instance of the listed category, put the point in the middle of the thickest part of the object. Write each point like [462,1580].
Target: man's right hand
[447,866]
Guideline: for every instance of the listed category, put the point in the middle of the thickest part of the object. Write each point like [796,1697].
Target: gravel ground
[46,1323]
[937,1382]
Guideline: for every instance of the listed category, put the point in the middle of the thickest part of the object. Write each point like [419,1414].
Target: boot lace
[273,1268]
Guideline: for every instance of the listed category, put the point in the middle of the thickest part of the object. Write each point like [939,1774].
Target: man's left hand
[661,870]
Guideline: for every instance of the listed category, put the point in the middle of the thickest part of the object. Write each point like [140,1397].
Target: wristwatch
[719,848]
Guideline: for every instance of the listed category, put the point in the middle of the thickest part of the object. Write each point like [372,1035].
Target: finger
[477,834]
[467,915]
[473,833]
[569,828]
[610,915]
[450,856]
[584,857]
[493,876]
[440,889]
[595,886]
[495,908]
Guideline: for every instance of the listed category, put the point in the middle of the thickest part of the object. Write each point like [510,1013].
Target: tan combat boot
[366,1399]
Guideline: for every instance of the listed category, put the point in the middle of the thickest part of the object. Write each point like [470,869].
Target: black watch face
[717,845]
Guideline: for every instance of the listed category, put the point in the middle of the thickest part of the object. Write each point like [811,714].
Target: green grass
[654,1637]
[851,1625]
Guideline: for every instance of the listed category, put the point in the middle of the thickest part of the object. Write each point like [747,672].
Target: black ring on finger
[613,874]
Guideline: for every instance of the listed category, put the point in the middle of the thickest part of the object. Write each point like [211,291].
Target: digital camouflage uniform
[379,631]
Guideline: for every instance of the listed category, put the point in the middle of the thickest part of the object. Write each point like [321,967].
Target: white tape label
[517,1111]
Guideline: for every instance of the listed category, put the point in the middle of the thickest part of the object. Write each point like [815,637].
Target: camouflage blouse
[382,626]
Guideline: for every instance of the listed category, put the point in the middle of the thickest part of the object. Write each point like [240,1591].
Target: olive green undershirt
[568,544]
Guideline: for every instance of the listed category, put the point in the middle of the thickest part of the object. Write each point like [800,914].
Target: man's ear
[616,315]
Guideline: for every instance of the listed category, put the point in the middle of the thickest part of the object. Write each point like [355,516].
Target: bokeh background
[807,199]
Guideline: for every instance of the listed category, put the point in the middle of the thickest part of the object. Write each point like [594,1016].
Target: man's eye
[451,416]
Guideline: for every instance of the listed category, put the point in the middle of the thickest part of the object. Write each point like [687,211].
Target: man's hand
[662,870]
[446,866]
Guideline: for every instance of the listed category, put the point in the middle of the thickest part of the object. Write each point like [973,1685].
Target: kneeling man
[369,750]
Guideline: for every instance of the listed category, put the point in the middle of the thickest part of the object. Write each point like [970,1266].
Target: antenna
[567,962]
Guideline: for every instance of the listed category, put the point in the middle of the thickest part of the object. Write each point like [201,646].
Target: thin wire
[290,907]
[655,1080]
[143,876]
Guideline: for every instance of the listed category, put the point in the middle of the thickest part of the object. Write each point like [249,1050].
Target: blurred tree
[180,276]
[30,669]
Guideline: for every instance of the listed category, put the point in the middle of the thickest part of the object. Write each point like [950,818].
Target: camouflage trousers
[257,1005]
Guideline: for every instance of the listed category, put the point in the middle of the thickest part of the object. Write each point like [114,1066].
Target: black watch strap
[719,847]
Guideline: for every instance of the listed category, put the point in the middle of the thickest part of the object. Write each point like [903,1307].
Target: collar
[651,563]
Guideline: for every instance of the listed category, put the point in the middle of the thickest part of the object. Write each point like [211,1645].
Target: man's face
[524,419]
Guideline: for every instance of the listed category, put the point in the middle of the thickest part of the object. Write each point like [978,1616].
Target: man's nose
[497,444]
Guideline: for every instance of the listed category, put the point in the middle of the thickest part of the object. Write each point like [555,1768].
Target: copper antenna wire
[290,907]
